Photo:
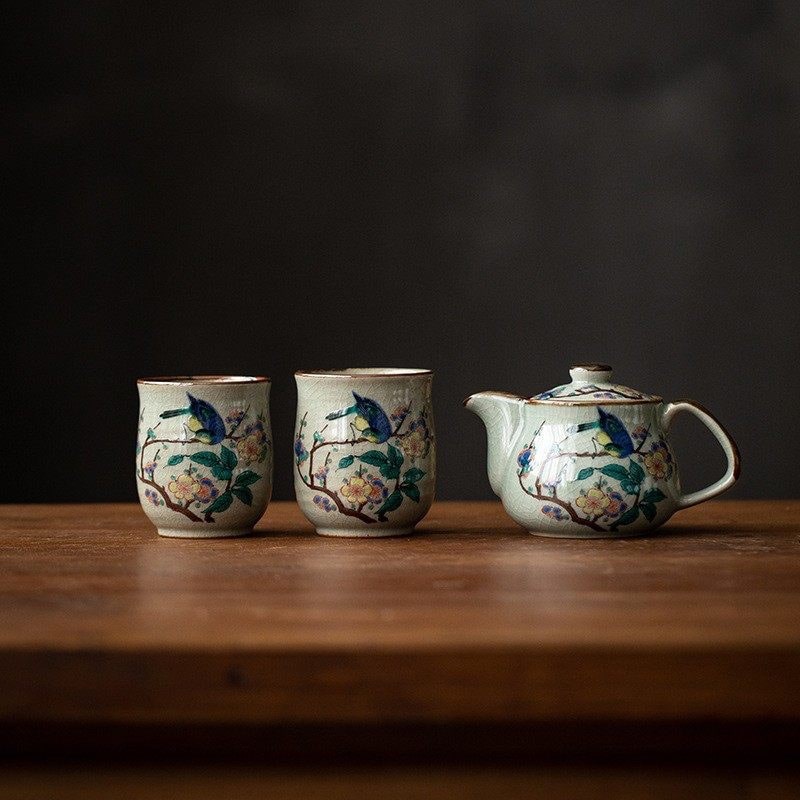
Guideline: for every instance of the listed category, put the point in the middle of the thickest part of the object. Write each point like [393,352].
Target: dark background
[490,190]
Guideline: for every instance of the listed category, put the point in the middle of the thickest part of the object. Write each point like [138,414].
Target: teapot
[590,458]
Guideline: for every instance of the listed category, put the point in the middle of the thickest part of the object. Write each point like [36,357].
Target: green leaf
[390,504]
[374,457]
[221,473]
[653,496]
[246,478]
[390,471]
[206,458]
[222,503]
[244,494]
[346,461]
[616,471]
[395,456]
[151,434]
[631,515]
[637,473]
[649,510]
[317,436]
[629,486]
[585,473]
[173,461]
[410,490]
[412,475]
[228,457]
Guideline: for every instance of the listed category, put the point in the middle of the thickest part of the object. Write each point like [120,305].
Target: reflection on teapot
[590,458]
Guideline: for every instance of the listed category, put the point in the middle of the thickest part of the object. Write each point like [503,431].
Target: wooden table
[470,659]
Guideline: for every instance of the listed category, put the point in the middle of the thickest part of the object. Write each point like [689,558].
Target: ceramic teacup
[364,450]
[204,454]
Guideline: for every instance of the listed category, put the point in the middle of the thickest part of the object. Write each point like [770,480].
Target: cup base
[590,534]
[213,533]
[365,533]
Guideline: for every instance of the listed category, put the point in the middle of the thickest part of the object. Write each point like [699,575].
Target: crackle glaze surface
[591,458]
[364,450]
[204,454]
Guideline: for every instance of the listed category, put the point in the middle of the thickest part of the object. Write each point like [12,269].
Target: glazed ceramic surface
[590,458]
[364,450]
[204,454]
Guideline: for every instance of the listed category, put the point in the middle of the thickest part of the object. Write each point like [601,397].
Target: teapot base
[365,533]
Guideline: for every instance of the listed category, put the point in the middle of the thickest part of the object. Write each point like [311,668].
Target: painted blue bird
[611,435]
[204,421]
[371,420]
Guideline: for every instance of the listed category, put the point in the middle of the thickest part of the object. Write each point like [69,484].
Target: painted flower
[149,469]
[184,487]
[616,505]
[357,490]
[152,497]
[554,512]
[416,442]
[207,491]
[594,502]
[235,417]
[524,460]
[378,491]
[640,432]
[300,450]
[399,413]
[321,475]
[658,461]
[324,502]
[251,448]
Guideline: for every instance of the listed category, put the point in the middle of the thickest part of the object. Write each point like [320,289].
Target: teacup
[204,454]
[364,450]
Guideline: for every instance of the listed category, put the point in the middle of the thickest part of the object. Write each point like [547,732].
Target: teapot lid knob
[590,373]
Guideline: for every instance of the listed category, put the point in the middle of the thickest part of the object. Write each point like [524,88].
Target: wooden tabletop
[472,619]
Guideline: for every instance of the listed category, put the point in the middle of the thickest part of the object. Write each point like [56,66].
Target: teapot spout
[501,413]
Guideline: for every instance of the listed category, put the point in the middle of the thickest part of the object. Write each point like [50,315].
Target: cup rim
[365,372]
[203,380]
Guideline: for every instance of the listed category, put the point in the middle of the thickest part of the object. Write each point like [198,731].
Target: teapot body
[590,471]
[591,458]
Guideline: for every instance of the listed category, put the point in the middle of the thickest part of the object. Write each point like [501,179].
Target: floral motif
[153,497]
[252,446]
[300,452]
[324,503]
[555,512]
[366,495]
[399,413]
[356,490]
[416,443]
[593,502]
[624,475]
[207,490]
[192,494]
[658,462]
[184,487]
[524,460]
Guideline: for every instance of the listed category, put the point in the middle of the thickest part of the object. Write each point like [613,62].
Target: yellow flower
[357,490]
[657,463]
[184,487]
[594,502]
[415,444]
[250,448]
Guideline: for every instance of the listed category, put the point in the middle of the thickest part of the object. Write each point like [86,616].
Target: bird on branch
[611,436]
[371,421]
[204,421]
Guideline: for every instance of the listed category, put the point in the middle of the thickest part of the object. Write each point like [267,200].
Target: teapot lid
[592,384]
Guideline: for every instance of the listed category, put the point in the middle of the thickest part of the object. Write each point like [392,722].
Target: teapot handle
[726,442]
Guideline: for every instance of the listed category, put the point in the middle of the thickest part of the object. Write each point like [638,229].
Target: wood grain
[471,620]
